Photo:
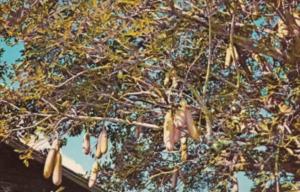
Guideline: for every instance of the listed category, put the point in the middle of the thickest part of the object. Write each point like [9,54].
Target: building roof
[40,159]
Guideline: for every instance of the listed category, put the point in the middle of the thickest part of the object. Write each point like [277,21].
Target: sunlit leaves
[88,60]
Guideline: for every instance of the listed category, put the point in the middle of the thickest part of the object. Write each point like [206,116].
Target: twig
[224,80]
[205,110]
[12,105]
[79,74]
[32,126]
[189,69]
[140,93]
[50,104]
[276,170]
[116,120]
[162,173]
[233,52]
[209,58]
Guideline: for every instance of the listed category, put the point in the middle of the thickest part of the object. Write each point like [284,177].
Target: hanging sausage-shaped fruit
[183,148]
[179,124]
[179,119]
[94,173]
[192,129]
[169,131]
[138,128]
[86,143]
[174,177]
[50,159]
[57,171]
[102,143]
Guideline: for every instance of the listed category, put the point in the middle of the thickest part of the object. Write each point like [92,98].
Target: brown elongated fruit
[235,54]
[138,129]
[177,134]
[179,119]
[174,177]
[94,173]
[183,148]
[179,124]
[102,143]
[50,159]
[57,171]
[167,78]
[296,16]
[49,163]
[231,55]
[169,131]
[98,149]
[86,143]
[228,56]
[192,129]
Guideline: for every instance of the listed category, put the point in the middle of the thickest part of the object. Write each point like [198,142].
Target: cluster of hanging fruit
[231,55]
[101,149]
[177,126]
[53,164]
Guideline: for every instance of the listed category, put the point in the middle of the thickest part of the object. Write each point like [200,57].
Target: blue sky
[10,56]
[73,149]
[11,53]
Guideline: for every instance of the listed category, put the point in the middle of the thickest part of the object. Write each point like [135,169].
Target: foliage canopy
[123,64]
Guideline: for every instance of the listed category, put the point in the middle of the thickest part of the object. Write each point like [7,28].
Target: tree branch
[32,126]
[206,112]
[116,120]
[79,74]
[51,105]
